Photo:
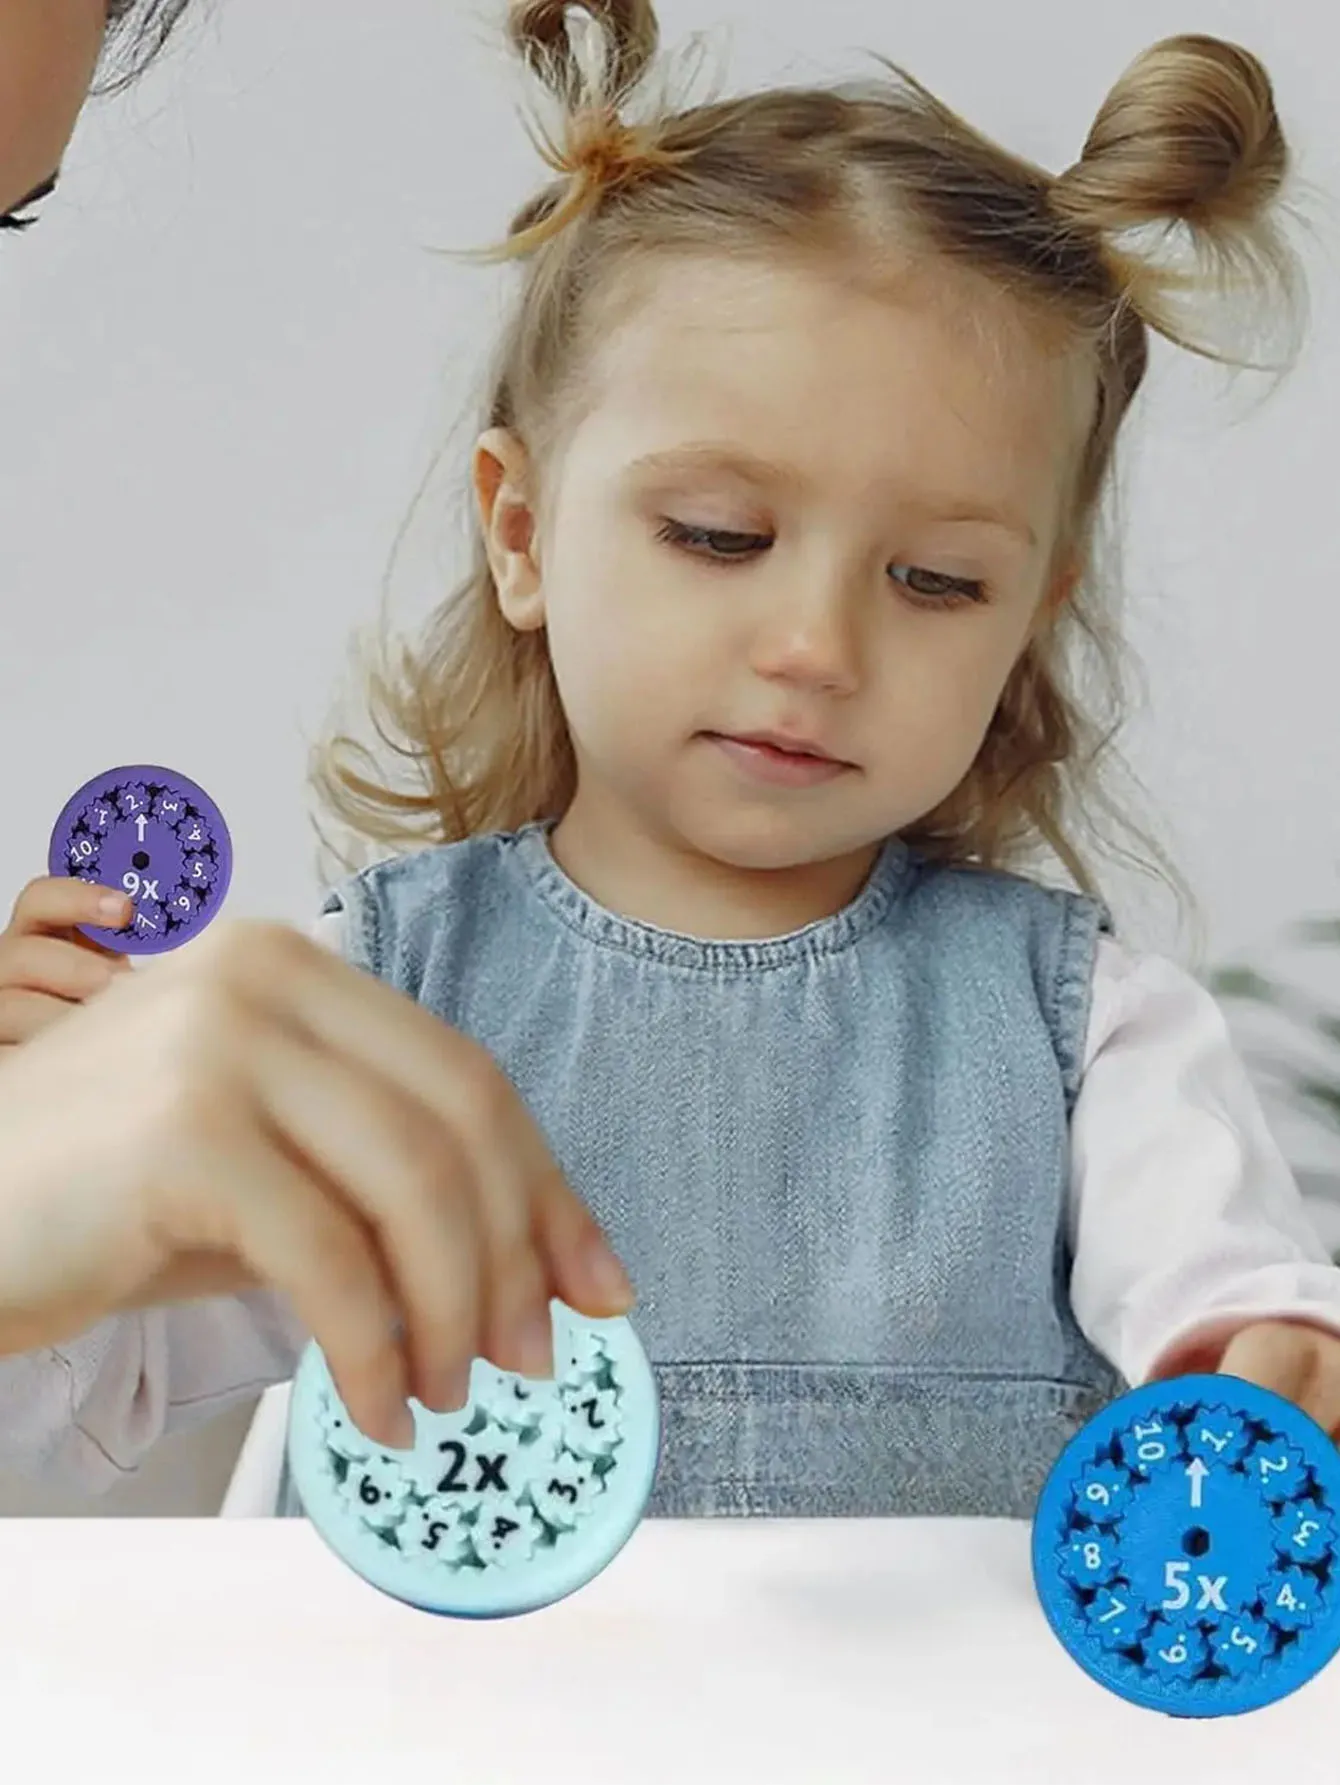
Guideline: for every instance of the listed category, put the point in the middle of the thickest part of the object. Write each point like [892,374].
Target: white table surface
[754,1653]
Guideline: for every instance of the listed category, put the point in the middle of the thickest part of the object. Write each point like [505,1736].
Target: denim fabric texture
[835,1163]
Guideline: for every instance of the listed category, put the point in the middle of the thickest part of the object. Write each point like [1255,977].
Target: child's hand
[255,1110]
[47,969]
[1302,1363]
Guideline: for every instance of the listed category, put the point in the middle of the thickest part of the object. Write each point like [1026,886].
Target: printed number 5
[1172,1577]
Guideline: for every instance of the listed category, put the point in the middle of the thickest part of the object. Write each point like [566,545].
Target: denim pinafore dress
[835,1163]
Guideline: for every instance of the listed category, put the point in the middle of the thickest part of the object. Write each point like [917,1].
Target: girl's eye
[932,589]
[927,587]
[712,542]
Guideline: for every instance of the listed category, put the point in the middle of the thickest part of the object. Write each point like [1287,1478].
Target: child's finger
[1294,1361]
[114,957]
[55,904]
[38,963]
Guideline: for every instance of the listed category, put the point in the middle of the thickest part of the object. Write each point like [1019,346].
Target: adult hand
[255,1110]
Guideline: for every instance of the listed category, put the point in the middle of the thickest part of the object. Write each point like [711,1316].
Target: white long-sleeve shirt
[1183,1217]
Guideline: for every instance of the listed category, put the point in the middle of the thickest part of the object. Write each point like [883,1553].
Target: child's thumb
[1272,1354]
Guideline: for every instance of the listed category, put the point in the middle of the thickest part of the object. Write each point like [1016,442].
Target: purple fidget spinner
[155,836]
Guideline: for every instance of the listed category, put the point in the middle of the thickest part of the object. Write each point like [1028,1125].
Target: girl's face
[792,508]
[48,54]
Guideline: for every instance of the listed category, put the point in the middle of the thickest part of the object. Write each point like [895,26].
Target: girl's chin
[749,843]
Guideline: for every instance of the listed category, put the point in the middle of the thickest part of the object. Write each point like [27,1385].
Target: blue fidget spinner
[521,1497]
[1186,1547]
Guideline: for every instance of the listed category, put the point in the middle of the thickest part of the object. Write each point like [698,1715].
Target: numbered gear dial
[155,836]
[1186,1544]
[521,1497]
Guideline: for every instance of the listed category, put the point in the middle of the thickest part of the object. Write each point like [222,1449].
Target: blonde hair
[1188,144]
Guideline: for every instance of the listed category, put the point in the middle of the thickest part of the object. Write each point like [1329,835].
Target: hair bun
[541,30]
[1188,134]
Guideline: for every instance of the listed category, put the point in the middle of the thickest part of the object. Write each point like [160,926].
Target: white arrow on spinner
[1197,1470]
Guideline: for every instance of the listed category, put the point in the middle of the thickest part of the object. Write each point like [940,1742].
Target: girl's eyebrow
[710,455]
[707,456]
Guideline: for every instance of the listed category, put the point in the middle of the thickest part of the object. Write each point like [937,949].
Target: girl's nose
[809,640]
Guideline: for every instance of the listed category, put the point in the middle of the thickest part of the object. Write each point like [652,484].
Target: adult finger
[253,1199]
[586,1273]
[409,1181]
[194,1276]
[24,1014]
[385,1032]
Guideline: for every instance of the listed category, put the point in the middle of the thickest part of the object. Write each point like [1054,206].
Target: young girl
[754,701]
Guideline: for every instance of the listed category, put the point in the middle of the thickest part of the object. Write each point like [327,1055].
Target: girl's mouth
[777,762]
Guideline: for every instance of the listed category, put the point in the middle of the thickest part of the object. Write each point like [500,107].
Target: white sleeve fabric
[1185,1222]
[329,931]
[86,1414]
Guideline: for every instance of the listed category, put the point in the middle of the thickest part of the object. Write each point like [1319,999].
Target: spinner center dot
[521,1497]
[154,835]
[1186,1544]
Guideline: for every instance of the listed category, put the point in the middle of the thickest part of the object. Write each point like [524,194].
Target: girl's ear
[507,521]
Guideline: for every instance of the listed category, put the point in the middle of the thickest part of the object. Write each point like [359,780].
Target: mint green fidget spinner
[515,1501]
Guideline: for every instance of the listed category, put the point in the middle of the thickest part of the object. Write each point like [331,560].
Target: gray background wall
[228,352]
